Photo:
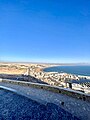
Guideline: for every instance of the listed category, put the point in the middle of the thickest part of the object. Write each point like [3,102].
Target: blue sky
[45,30]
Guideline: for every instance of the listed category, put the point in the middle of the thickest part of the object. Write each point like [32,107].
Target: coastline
[80,76]
[49,66]
[37,71]
[83,76]
[52,78]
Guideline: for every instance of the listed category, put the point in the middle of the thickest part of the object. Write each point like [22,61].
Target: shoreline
[42,69]
[80,76]
[83,76]
[52,78]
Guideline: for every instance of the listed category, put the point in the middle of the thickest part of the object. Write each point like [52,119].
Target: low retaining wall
[65,91]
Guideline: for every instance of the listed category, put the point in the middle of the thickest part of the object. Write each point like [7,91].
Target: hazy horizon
[31,62]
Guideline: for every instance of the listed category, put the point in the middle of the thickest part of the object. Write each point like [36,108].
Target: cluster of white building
[52,78]
[55,78]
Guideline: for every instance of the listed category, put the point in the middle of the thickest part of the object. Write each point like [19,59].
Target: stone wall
[60,90]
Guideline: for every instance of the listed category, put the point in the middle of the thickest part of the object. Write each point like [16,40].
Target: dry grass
[11,69]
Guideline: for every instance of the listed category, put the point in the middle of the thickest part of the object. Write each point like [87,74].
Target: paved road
[15,107]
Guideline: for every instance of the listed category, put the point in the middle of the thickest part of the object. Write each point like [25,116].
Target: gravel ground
[16,107]
[76,107]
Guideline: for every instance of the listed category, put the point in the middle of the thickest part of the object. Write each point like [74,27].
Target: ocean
[77,70]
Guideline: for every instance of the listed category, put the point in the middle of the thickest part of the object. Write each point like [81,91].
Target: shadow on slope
[22,77]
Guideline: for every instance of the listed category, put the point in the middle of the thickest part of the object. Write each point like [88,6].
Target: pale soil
[20,68]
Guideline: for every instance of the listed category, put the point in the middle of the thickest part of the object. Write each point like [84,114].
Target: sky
[45,31]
